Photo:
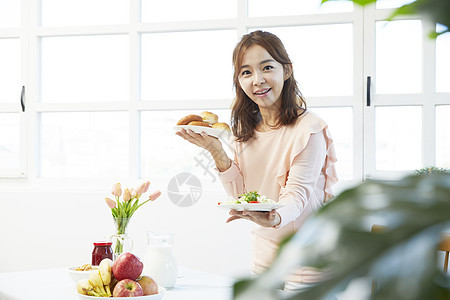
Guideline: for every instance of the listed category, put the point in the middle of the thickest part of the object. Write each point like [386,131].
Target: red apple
[127,288]
[148,284]
[127,266]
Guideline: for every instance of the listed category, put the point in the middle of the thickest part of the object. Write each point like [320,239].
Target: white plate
[158,296]
[218,133]
[252,206]
[78,275]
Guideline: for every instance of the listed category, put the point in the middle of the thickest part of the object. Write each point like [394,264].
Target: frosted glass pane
[381,4]
[399,57]
[340,123]
[443,136]
[10,70]
[9,140]
[398,137]
[318,70]
[9,13]
[84,144]
[85,68]
[443,63]
[84,12]
[264,8]
[182,10]
[160,147]
[187,65]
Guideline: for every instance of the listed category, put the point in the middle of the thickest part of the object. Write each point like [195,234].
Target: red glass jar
[101,250]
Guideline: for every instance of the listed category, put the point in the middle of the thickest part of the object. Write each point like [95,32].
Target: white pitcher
[159,261]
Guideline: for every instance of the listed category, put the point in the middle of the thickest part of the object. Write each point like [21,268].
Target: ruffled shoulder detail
[299,133]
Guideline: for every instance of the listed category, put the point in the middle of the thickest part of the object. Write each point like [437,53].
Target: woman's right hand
[200,139]
[209,143]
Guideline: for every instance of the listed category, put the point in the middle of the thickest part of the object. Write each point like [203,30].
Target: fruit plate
[252,206]
[161,292]
[218,133]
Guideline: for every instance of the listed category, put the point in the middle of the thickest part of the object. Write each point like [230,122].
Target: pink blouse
[293,165]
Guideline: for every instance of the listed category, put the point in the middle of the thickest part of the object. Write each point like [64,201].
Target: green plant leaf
[438,11]
[414,211]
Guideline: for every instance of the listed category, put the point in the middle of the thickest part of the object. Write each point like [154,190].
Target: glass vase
[121,242]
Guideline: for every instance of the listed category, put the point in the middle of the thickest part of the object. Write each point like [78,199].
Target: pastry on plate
[221,126]
[199,123]
[209,117]
[190,118]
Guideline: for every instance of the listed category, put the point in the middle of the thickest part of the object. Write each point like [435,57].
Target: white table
[56,284]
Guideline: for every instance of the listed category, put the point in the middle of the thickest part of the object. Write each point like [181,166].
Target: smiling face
[261,77]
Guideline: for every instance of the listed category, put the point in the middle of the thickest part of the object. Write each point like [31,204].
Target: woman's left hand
[263,218]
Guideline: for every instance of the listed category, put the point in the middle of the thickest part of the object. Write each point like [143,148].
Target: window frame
[21,172]
[428,98]
[31,32]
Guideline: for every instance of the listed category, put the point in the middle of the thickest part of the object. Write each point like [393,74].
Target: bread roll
[209,117]
[197,123]
[221,126]
[189,118]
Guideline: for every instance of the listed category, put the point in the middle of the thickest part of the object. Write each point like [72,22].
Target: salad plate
[251,201]
[251,206]
[218,133]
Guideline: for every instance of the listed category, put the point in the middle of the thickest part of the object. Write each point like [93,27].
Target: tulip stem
[121,228]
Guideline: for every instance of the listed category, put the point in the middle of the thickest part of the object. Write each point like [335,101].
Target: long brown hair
[245,114]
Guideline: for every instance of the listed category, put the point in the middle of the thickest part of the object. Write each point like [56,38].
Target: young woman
[282,150]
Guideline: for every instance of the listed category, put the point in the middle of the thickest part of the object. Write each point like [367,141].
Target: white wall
[55,228]
[53,223]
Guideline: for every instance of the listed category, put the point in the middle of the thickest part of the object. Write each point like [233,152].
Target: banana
[95,279]
[105,272]
[84,287]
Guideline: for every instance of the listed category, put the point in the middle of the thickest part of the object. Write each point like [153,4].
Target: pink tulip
[147,184]
[110,203]
[140,189]
[116,190]
[126,195]
[154,196]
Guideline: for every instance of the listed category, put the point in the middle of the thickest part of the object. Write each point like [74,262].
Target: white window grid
[30,34]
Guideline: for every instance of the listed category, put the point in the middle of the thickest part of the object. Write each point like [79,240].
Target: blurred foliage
[402,259]
[431,170]
[438,11]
